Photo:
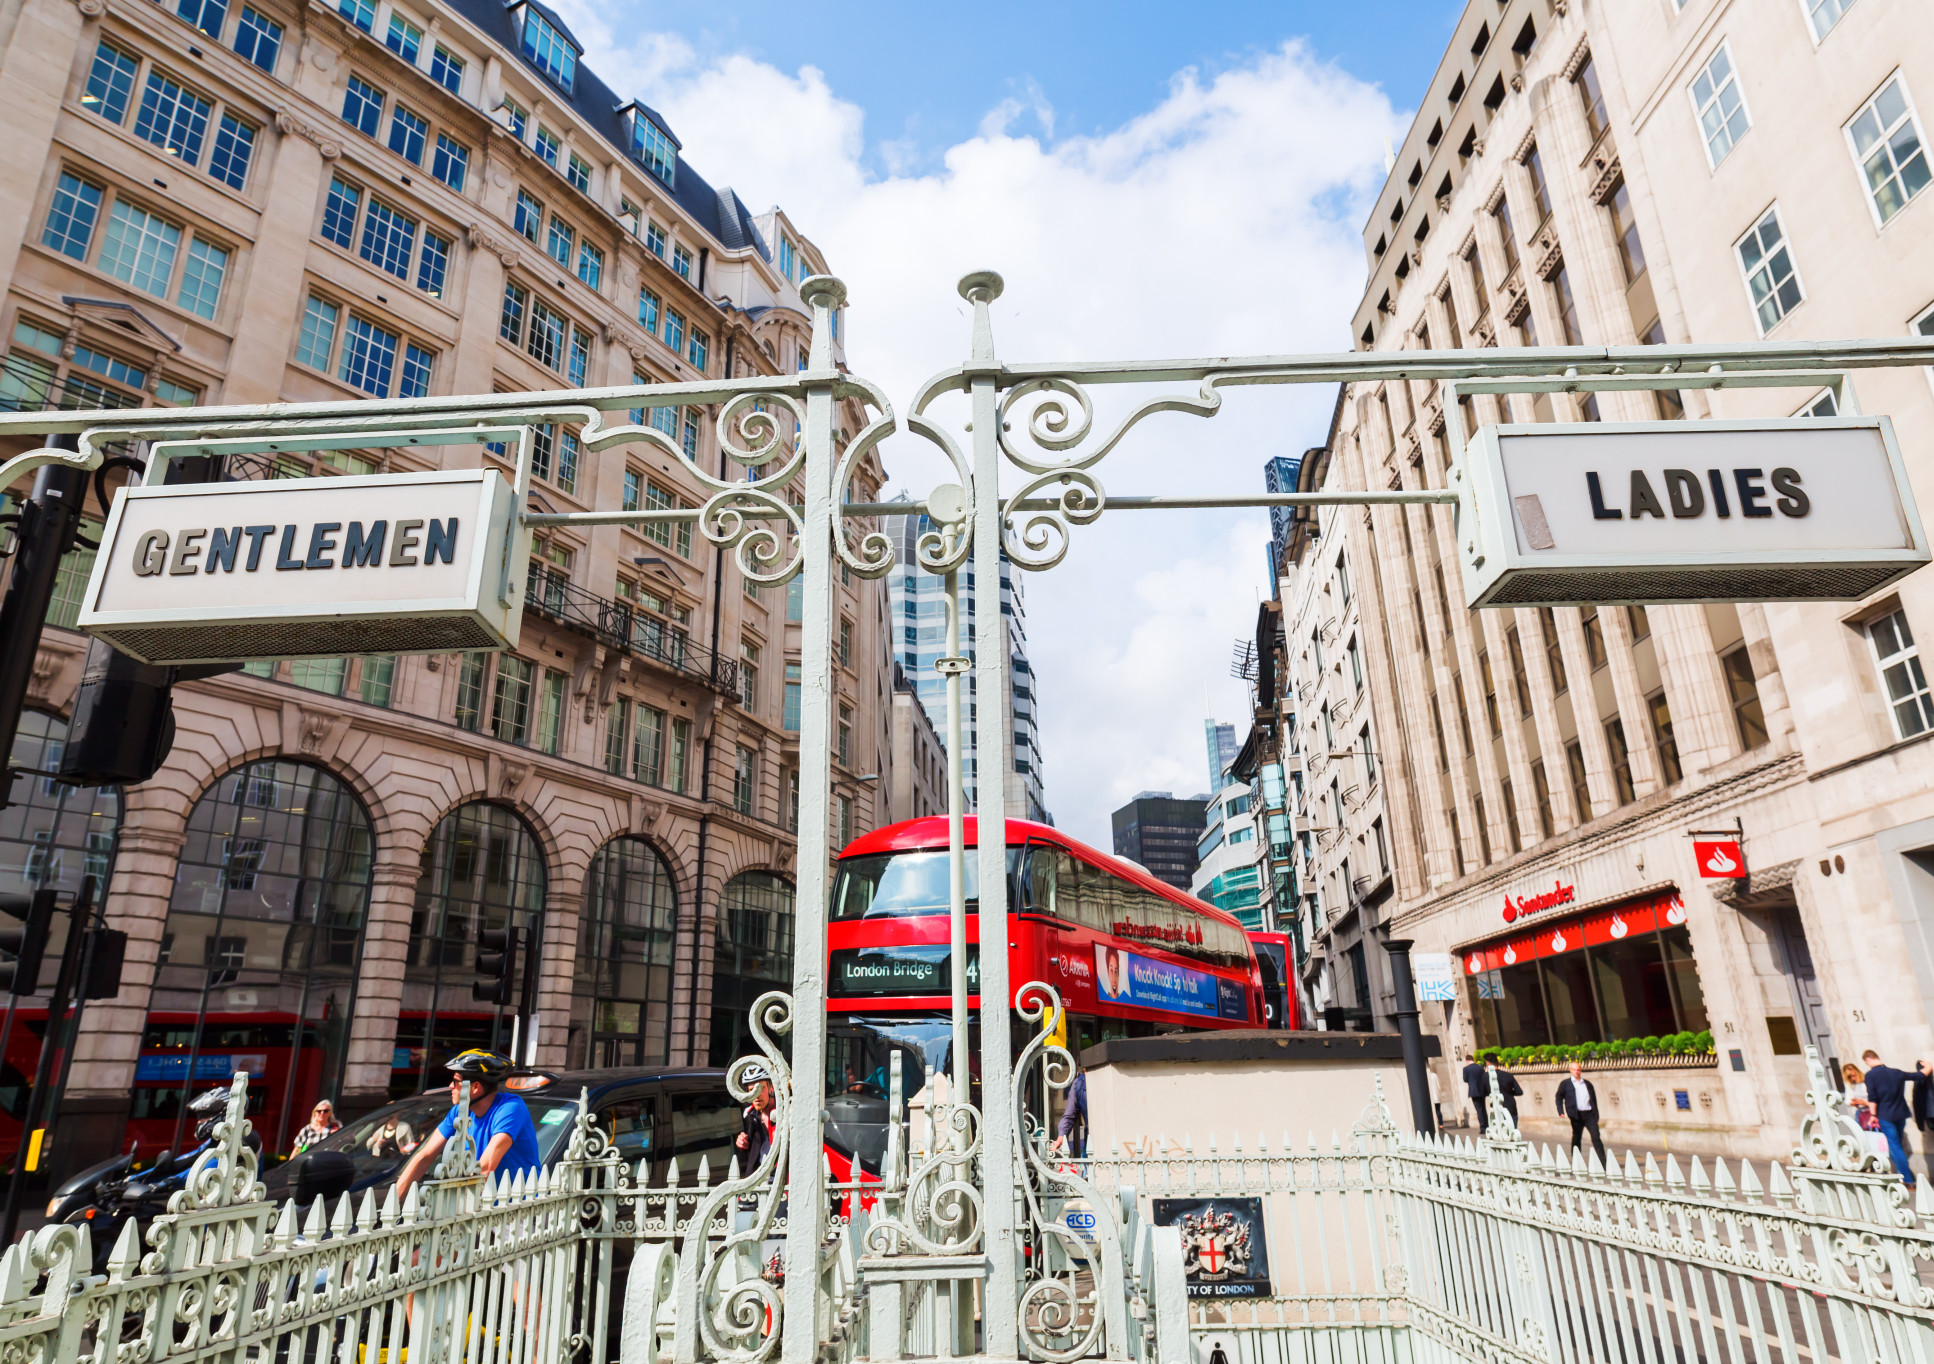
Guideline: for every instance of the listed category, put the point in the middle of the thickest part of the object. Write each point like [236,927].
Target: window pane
[258,39]
[368,357]
[1568,993]
[362,105]
[201,277]
[139,248]
[71,217]
[110,83]
[389,239]
[339,214]
[173,118]
[318,335]
[407,133]
[446,69]
[1632,988]
[234,145]
[451,162]
[433,265]
[414,381]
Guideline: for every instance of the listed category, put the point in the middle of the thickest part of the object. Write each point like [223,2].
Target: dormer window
[651,144]
[548,47]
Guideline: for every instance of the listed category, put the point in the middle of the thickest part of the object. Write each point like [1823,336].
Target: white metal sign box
[1804,509]
[389,564]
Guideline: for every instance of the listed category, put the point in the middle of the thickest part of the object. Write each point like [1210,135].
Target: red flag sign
[1718,857]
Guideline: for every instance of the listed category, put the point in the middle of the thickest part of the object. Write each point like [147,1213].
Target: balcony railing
[624,626]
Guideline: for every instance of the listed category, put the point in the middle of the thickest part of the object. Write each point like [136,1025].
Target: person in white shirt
[1578,1099]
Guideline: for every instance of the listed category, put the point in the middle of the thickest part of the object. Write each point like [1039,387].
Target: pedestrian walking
[1071,1133]
[1477,1084]
[1922,1096]
[756,1127]
[1887,1092]
[1508,1091]
[1578,1100]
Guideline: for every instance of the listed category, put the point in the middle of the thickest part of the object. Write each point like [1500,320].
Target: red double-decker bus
[1130,956]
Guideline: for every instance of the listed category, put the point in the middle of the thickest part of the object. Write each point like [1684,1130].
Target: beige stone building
[245,201]
[1610,173]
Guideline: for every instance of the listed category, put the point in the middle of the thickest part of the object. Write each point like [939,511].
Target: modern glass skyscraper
[917,629]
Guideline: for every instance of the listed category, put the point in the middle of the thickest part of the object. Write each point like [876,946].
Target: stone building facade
[1620,173]
[262,201]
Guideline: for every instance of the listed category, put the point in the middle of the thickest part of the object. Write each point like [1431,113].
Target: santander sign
[1559,894]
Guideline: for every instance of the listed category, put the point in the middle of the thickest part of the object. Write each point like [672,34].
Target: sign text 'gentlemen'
[201,549]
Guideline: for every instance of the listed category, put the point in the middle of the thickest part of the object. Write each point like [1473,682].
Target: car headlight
[53,1206]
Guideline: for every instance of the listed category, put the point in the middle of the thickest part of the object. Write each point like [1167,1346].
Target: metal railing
[631,628]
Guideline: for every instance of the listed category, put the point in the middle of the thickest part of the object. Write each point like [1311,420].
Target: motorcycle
[104,1197]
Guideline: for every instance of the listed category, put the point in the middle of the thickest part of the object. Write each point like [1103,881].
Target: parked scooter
[104,1199]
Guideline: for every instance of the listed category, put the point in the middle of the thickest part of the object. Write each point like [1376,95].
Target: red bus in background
[1130,956]
[178,1061]
[1278,989]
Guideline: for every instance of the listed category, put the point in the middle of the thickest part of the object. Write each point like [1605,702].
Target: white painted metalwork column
[806,1208]
[993,747]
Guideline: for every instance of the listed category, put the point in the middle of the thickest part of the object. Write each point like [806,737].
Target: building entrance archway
[621,1001]
[753,954]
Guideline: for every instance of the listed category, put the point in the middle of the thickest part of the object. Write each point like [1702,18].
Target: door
[1808,1005]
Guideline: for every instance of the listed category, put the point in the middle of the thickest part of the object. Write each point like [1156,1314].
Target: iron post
[1411,1034]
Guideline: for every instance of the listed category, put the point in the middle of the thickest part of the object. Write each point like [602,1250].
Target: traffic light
[107,948]
[497,964]
[28,943]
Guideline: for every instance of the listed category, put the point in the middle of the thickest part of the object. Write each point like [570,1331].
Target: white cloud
[1224,220]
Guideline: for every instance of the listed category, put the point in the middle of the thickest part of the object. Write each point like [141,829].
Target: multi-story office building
[1220,740]
[1160,831]
[918,611]
[1669,171]
[916,755]
[261,202]
[1227,851]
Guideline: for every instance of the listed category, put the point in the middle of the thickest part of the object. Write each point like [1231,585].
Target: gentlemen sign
[1809,509]
[391,563]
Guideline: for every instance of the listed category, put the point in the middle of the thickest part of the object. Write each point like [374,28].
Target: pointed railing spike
[1776,1182]
[1924,1199]
[1749,1185]
[340,1224]
[1633,1174]
[732,1170]
[671,1173]
[284,1225]
[1700,1184]
[1652,1175]
[704,1171]
[1211,1143]
[1722,1178]
[392,1207]
[123,1262]
[313,1227]
[366,1211]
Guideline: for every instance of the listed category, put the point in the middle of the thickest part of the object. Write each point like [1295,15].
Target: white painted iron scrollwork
[723,1300]
[1061,1318]
[938,1210]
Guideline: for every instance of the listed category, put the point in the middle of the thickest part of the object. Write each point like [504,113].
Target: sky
[1150,181]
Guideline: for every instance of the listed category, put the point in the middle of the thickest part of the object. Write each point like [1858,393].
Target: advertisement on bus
[1130,978]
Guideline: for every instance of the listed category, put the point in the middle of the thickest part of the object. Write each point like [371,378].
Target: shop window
[621,994]
[1743,688]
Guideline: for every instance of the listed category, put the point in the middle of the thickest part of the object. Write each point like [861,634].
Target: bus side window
[1040,880]
[1075,885]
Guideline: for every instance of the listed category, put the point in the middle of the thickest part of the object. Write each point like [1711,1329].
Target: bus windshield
[903,885]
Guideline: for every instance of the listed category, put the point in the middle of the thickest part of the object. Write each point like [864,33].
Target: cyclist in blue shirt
[500,1124]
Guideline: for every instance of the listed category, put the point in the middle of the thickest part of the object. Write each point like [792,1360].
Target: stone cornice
[291,124]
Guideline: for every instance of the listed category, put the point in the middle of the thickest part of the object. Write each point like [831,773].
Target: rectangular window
[785,256]
[1437,727]
[1511,819]
[1580,787]
[389,239]
[843,737]
[433,265]
[325,675]
[175,119]
[578,172]
[1369,756]
[633,489]
[110,83]
[550,713]
[361,13]
[1822,15]
[1899,661]
[844,811]
[748,674]
[408,132]
[590,264]
[681,262]
[1567,307]
[1621,761]
[510,707]
[258,38]
[567,462]
[655,240]
[1534,167]
[580,357]
[696,349]
[318,335]
[617,736]
[234,145]
[1520,679]
[1771,281]
[674,330]
[1463,714]
[1491,710]
[744,781]
[339,214]
[1639,621]
[790,719]
[1594,636]
[362,106]
[1355,652]
[514,117]
[446,69]
[648,311]
[450,163]
[1483,828]
[1661,715]
[368,357]
[1456,843]
[648,746]
[655,151]
[377,685]
[470,691]
[1542,784]
[1625,230]
[689,441]
[71,217]
[545,342]
[547,145]
[139,248]
[543,449]
[529,216]
[561,241]
[1592,98]
[1887,147]
[1474,266]
[510,322]
[1743,688]
[845,644]
[414,379]
[405,39]
[681,752]
[1507,236]
[201,278]
[1554,651]
[1719,106]
[548,50]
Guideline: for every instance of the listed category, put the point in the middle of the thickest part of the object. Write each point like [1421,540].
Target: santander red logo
[1559,894]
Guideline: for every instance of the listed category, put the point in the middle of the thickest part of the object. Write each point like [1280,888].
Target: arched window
[258,960]
[482,869]
[753,955]
[50,835]
[622,1011]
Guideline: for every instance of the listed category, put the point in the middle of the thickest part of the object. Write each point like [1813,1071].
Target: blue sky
[1151,181]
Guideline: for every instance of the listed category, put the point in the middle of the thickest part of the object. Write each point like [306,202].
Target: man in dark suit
[1578,1100]
[1477,1083]
[1887,1093]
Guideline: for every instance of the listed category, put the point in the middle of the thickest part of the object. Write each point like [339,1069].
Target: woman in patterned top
[322,1125]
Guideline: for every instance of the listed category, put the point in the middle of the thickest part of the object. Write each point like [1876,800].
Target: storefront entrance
[1626,971]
